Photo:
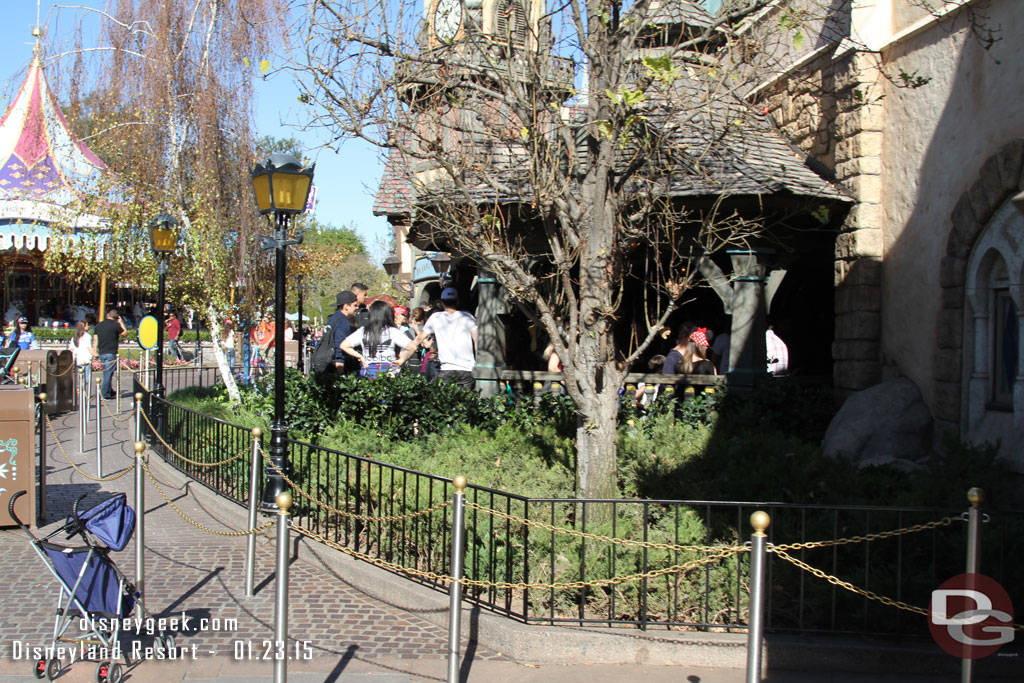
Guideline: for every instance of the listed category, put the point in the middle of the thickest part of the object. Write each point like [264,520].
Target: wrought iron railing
[399,515]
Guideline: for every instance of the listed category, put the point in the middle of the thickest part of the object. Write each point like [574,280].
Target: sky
[345,181]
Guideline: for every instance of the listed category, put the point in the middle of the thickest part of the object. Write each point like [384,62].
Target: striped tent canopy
[43,168]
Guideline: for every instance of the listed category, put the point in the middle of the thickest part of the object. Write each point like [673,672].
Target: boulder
[885,424]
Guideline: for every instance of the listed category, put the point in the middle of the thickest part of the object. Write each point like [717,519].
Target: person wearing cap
[339,327]
[402,321]
[22,337]
[455,336]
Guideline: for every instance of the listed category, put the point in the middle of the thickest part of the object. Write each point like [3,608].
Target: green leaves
[662,69]
[626,98]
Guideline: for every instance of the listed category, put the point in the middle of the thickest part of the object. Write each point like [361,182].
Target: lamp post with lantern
[392,266]
[163,238]
[281,185]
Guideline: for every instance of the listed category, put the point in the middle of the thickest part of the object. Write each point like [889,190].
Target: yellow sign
[148,329]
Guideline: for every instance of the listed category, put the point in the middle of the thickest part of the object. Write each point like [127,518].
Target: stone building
[929,264]
[716,155]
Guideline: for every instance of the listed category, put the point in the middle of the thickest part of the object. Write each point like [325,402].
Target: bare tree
[166,100]
[594,157]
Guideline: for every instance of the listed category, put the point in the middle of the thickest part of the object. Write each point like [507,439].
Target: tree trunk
[218,353]
[596,466]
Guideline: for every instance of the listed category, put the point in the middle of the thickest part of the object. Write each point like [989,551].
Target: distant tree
[166,99]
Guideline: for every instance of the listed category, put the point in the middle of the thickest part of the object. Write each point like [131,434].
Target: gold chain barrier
[351,515]
[835,581]
[945,521]
[193,522]
[723,552]
[182,457]
[67,457]
[113,417]
[596,537]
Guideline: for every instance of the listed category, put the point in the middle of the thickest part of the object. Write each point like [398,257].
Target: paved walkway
[344,633]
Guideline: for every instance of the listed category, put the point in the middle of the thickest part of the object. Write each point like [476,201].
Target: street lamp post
[281,185]
[163,237]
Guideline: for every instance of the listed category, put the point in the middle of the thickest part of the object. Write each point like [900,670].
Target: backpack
[323,355]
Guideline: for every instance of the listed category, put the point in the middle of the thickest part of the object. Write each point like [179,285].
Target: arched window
[992,336]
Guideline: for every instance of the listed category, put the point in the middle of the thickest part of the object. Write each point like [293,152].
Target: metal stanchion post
[81,409]
[41,514]
[99,430]
[455,589]
[146,371]
[975,497]
[755,633]
[254,474]
[284,504]
[30,375]
[117,406]
[140,518]
[138,416]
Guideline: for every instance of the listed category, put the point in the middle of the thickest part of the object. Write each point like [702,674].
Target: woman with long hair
[377,341]
[81,345]
[695,357]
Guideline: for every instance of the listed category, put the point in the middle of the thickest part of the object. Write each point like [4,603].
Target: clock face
[447,19]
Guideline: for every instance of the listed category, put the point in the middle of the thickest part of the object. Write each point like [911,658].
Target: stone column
[747,353]
[859,129]
[490,352]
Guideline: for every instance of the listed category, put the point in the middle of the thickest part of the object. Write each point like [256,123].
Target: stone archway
[999,179]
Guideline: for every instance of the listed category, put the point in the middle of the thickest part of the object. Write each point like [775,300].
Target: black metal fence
[399,515]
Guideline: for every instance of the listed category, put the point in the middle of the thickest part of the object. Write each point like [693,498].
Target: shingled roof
[396,194]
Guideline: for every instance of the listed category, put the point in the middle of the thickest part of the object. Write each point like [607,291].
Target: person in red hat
[695,358]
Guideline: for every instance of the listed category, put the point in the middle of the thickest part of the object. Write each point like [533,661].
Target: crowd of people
[373,340]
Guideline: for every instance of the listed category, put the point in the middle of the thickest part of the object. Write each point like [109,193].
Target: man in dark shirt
[105,338]
[362,315]
[340,327]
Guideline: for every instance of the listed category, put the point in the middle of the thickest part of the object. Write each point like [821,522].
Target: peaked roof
[40,160]
[43,168]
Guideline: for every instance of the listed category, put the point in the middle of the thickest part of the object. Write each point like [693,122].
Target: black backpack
[323,355]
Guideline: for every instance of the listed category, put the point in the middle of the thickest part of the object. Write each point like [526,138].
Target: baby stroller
[93,590]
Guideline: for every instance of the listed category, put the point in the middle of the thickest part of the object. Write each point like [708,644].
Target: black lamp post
[298,333]
[281,185]
[163,237]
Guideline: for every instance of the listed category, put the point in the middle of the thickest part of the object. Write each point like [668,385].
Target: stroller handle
[14,516]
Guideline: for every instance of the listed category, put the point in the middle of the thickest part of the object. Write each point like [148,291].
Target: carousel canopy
[43,168]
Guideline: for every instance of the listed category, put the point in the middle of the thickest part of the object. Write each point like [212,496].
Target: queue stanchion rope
[112,415]
[60,447]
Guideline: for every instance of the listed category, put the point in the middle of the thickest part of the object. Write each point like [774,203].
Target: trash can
[17,453]
[60,382]
[35,362]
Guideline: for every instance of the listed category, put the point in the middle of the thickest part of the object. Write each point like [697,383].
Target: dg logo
[971,616]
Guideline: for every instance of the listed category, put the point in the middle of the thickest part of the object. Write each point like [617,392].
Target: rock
[887,424]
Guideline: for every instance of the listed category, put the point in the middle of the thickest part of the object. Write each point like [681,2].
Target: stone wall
[832,111]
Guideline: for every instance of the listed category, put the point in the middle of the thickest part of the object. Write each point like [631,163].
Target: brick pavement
[201,575]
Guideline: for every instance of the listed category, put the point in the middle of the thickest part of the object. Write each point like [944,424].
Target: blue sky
[346,180]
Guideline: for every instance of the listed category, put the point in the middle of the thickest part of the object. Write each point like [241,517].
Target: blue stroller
[93,591]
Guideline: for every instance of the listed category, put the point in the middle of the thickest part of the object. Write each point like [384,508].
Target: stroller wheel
[40,668]
[52,669]
[116,673]
[104,671]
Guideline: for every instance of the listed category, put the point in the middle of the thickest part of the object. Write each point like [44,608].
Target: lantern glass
[441,262]
[163,234]
[392,265]
[261,186]
[281,184]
